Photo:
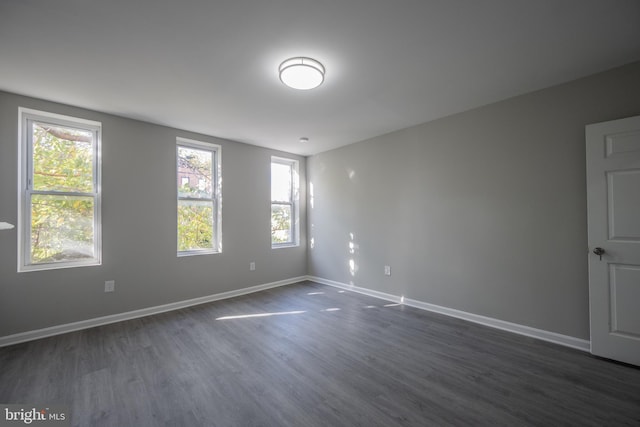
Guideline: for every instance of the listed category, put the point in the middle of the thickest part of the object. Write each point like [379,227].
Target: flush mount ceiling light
[301,73]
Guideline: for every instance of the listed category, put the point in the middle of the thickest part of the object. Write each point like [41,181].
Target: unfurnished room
[320,213]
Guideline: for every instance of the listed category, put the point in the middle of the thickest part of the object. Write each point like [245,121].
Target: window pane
[281,224]
[61,228]
[280,182]
[195,172]
[62,158]
[195,225]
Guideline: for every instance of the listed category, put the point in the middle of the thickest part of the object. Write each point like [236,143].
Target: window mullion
[195,199]
[63,193]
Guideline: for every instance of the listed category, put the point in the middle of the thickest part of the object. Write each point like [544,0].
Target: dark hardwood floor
[324,357]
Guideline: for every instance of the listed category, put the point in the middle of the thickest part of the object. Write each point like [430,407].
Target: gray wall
[138,225]
[483,211]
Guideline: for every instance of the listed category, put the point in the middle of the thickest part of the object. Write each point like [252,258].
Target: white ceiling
[210,66]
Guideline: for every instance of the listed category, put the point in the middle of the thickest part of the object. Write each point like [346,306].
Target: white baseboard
[553,337]
[565,340]
[113,318]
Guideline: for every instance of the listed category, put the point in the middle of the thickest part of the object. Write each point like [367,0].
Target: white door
[613,206]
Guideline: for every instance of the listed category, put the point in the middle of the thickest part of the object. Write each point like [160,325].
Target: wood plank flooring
[313,355]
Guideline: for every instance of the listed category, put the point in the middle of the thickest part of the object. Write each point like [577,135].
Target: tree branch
[59,133]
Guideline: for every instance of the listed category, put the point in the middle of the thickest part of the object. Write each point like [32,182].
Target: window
[59,221]
[199,208]
[284,202]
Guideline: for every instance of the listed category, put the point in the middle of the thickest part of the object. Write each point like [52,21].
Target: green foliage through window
[196,185]
[195,225]
[61,228]
[283,201]
[280,223]
[61,196]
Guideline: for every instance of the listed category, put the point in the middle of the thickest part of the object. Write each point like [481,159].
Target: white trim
[25,187]
[65,120]
[564,340]
[294,165]
[216,151]
[113,318]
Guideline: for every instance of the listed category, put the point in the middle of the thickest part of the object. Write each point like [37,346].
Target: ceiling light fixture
[301,73]
[304,139]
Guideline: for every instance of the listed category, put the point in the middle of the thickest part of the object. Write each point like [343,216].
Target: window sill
[57,266]
[285,245]
[196,253]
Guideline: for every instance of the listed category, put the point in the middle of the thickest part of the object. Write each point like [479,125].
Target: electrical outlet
[387,270]
[110,286]
[252,266]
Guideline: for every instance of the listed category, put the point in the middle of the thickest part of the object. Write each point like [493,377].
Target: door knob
[599,252]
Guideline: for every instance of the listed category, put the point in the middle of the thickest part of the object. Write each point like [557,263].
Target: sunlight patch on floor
[247,316]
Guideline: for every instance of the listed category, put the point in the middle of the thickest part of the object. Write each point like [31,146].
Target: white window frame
[295,202]
[25,182]
[216,151]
